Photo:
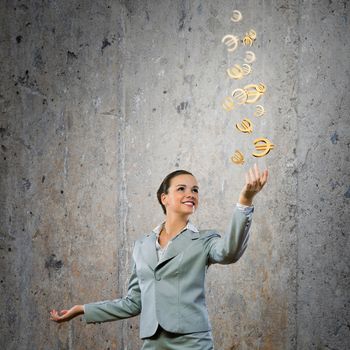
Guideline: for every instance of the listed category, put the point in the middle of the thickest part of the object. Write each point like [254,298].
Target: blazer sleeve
[112,310]
[229,248]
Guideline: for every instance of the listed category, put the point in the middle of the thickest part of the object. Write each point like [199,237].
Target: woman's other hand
[66,315]
[254,182]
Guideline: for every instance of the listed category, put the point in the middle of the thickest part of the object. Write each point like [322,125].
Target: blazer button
[157,276]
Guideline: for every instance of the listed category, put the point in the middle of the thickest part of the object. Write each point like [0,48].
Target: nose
[190,194]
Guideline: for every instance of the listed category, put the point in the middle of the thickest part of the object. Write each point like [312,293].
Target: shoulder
[144,238]
[206,235]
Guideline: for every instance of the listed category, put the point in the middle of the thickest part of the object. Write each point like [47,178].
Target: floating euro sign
[236,16]
[246,126]
[261,88]
[263,145]
[249,57]
[259,111]
[254,92]
[228,104]
[249,37]
[252,34]
[239,95]
[247,40]
[231,41]
[236,72]
[237,157]
[246,68]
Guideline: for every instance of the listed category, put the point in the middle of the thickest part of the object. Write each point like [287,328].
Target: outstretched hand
[66,315]
[254,182]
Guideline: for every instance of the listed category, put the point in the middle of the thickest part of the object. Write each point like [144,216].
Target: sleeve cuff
[247,209]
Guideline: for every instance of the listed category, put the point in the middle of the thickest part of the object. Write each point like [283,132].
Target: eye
[195,190]
[181,188]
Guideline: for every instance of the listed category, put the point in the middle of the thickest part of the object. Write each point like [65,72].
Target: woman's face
[182,197]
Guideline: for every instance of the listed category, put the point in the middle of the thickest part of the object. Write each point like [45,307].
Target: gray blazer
[170,292]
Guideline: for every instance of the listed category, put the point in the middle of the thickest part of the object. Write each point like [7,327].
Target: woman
[169,265]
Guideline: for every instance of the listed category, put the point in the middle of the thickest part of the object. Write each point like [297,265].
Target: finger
[264,177]
[246,178]
[53,316]
[259,176]
[256,170]
[252,177]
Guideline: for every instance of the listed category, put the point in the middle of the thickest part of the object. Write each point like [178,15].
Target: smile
[190,204]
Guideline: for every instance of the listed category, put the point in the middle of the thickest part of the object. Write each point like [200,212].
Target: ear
[163,198]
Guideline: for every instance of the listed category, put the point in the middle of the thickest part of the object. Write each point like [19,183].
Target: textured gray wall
[101,99]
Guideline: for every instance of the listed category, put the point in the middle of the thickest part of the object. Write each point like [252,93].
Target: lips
[189,203]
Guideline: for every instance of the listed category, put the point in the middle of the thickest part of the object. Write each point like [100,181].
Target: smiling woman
[169,267]
[165,185]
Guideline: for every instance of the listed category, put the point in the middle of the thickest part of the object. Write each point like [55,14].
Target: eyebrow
[185,185]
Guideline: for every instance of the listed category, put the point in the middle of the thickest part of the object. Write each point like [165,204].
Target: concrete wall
[101,99]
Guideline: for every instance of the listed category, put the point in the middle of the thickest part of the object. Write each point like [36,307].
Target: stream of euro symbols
[249,94]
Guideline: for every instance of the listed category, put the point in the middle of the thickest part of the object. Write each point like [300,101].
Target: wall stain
[52,263]
[105,43]
[334,184]
[182,106]
[2,131]
[38,60]
[26,184]
[71,57]
[182,19]
[334,138]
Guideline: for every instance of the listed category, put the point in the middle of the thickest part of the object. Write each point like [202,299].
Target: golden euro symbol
[254,92]
[249,57]
[249,37]
[263,145]
[239,95]
[237,71]
[246,68]
[245,126]
[237,157]
[228,104]
[259,111]
[236,16]
[231,41]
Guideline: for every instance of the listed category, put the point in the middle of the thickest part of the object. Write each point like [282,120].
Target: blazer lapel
[149,250]
[178,245]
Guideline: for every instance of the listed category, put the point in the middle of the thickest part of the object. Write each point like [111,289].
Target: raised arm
[231,247]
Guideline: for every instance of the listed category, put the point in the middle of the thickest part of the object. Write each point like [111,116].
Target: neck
[174,224]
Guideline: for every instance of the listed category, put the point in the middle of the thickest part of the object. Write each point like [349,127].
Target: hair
[164,186]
